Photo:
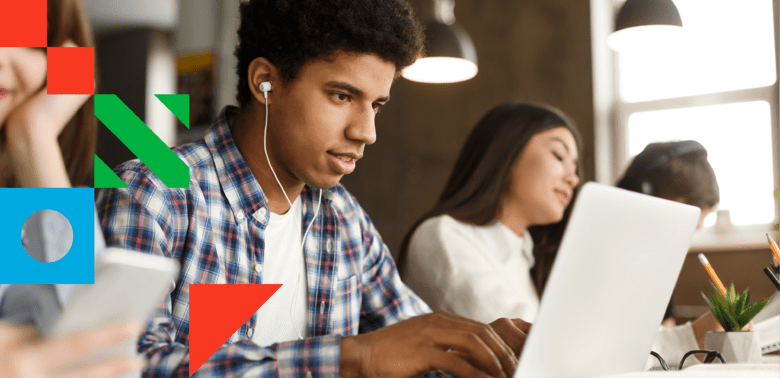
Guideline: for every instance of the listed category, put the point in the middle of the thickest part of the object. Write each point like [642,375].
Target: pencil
[711,272]
[775,250]
[772,277]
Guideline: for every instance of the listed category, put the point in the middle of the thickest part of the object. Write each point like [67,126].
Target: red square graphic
[22,23]
[70,70]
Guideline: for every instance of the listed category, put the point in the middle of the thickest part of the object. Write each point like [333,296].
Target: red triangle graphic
[217,311]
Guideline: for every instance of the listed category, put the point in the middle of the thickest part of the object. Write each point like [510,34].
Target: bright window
[727,45]
[718,86]
[738,139]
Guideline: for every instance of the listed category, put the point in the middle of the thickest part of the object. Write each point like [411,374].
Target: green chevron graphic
[178,104]
[142,141]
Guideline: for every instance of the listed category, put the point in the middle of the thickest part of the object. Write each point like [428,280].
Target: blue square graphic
[78,265]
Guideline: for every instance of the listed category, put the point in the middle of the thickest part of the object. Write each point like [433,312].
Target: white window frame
[611,115]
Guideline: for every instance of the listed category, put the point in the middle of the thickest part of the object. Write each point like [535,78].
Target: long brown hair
[480,176]
[66,19]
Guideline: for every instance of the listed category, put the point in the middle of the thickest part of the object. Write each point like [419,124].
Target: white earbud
[265,87]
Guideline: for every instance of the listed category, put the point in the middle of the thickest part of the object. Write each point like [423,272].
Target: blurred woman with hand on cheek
[49,141]
[45,140]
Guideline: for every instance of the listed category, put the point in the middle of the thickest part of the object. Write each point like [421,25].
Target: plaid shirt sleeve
[385,298]
[148,217]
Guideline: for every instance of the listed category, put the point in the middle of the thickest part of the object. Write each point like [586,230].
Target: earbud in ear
[265,86]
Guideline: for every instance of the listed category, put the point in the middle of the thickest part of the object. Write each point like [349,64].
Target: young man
[342,309]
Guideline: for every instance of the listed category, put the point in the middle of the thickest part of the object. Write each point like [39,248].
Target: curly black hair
[290,33]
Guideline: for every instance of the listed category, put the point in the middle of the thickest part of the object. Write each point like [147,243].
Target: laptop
[605,298]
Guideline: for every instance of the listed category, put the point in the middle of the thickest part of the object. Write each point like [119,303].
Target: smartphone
[128,285]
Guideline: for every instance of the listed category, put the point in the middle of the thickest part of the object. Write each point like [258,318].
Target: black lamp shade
[450,56]
[451,41]
[647,12]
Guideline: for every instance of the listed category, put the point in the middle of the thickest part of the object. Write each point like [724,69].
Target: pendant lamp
[643,23]
[450,54]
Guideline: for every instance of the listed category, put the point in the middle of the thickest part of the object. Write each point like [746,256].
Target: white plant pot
[735,347]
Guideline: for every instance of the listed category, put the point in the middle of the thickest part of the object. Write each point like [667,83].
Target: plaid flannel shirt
[215,230]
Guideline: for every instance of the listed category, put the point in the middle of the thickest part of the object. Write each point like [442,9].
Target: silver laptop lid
[614,274]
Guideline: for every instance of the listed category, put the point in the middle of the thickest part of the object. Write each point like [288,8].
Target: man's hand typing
[437,341]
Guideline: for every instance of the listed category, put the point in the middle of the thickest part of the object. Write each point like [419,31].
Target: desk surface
[769,369]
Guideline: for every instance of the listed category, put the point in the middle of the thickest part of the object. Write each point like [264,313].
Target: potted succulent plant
[733,311]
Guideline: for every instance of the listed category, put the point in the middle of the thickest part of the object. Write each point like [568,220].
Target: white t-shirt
[283,264]
[480,272]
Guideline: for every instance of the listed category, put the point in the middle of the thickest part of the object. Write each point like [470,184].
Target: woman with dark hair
[494,232]
[49,141]
[45,141]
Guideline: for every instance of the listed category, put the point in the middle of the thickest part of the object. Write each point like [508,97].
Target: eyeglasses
[710,356]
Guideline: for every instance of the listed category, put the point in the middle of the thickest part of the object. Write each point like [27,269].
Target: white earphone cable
[297,280]
[265,131]
[303,241]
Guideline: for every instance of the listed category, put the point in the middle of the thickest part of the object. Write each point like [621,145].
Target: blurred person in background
[494,232]
[49,141]
[45,140]
[677,171]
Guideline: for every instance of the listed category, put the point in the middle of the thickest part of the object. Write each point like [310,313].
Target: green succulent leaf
[731,295]
[710,304]
[716,312]
[726,310]
[742,301]
[707,300]
[733,311]
[723,314]
[750,312]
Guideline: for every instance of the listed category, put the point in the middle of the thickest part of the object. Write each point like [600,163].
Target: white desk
[769,369]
